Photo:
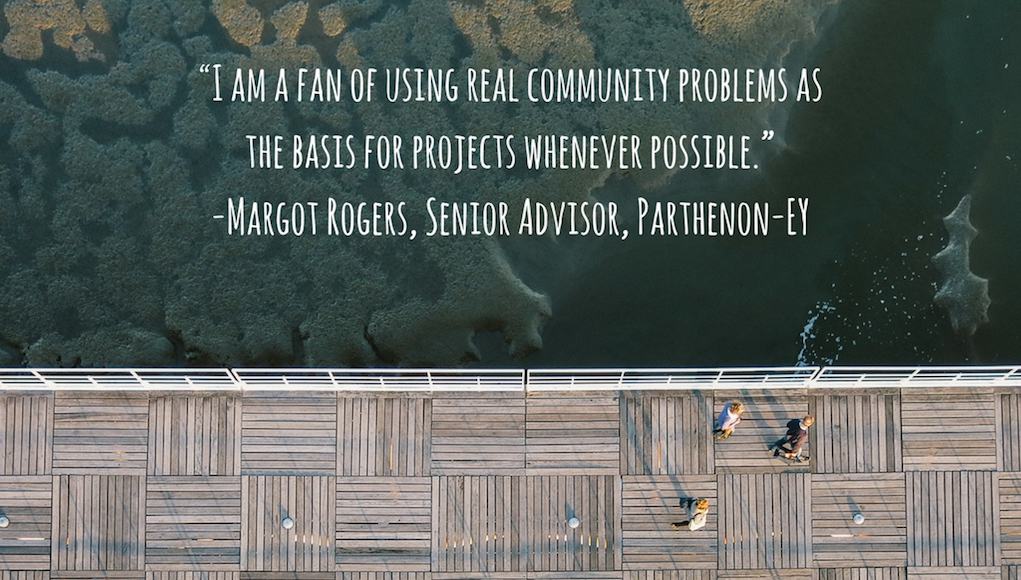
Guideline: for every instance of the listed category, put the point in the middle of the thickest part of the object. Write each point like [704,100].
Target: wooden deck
[455,486]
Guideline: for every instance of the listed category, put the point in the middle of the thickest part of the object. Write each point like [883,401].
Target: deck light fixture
[4,521]
[573,522]
[287,523]
[859,518]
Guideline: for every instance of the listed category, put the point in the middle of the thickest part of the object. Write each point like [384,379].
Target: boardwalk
[451,486]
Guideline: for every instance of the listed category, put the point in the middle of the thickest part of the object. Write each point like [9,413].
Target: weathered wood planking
[1010,517]
[26,429]
[195,435]
[1010,432]
[478,576]
[481,514]
[774,574]
[193,523]
[577,575]
[669,434]
[100,433]
[763,424]
[879,573]
[182,575]
[383,436]
[765,521]
[949,431]
[310,502]
[98,522]
[24,575]
[956,573]
[383,576]
[650,505]
[384,524]
[27,501]
[952,519]
[856,433]
[478,524]
[837,542]
[97,575]
[289,433]
[478,434]
[1011,572]
[669,575]
[572,434]
[551,501]
[288,576]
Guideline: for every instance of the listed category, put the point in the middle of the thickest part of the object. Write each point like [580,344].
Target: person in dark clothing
[791,445]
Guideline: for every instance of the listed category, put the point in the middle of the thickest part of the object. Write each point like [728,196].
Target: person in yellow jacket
[698,513]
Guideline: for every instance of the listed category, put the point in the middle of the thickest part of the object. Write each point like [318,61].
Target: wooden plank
[289,433]
[268,546]
[477,434]
[193,522]
[27,502]
[855,433]
[961,572]
[195,435]
[395,445]
[749,502]
[467,539]
[669,575]
[1009,497]
[191,575]
[874,573]
[97,525]
[24,575]
[945,434]
[681,433]
[650,504]
[26,428]
[951,520]
[837,542]
[97,575]
[769,573]
[384,524]
[383,576]
[576,433]
[100,433]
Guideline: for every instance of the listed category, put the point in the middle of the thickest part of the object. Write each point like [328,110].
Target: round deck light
[287,523]
[573,523]
[4,521]
[858,518]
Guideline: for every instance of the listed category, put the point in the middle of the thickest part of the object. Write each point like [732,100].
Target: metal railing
[659,379]
[118,379]
[380,380]
[513,380]
[934,376]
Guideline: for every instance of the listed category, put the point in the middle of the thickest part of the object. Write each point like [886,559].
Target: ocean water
[113,160]
[921,107]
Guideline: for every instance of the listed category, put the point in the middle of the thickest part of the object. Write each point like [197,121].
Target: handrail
[509,380]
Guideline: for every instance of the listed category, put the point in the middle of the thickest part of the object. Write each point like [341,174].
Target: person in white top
[698,513]
[729,417]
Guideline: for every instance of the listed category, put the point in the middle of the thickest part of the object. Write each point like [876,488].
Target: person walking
[698,513]
[791,445]
[729,417]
